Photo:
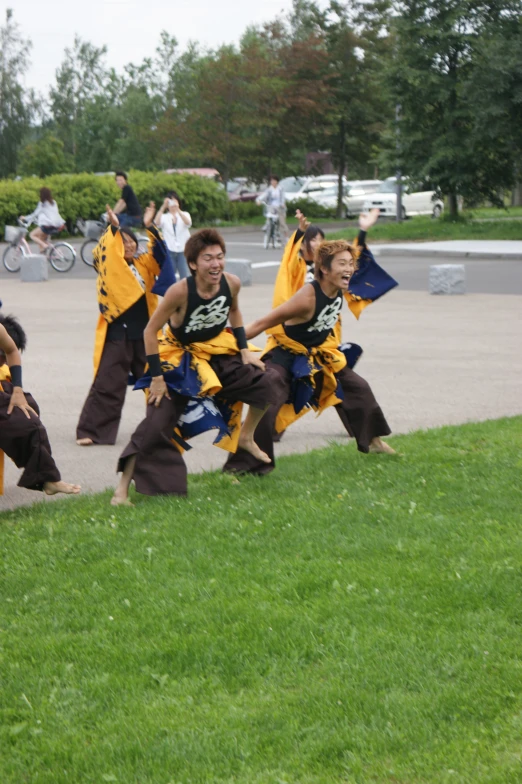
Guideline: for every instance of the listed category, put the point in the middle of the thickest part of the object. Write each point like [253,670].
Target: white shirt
[175,230]
[273,197]
[46,214]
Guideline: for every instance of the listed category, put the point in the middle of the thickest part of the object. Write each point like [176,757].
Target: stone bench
[34,268]
[242,268]
[447,279]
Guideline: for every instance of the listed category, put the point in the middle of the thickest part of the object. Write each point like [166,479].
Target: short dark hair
[202,239]
[325,253]
[15,331]
[46,195]
[309,235]
[175,195]
[121,174]
[129,233]
[275,177]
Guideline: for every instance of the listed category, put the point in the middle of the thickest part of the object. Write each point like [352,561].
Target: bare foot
[84,441]
[378,446]
[120,500]
[51,488]
[249,445]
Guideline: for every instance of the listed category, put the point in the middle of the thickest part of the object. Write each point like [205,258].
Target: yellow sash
[330,361]
[171,353]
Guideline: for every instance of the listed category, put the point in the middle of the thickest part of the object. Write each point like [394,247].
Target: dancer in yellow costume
[303,347]
[22,435]
[200,372]
[127,286]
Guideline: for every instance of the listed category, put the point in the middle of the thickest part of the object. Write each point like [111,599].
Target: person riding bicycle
[46,216]
[274,200]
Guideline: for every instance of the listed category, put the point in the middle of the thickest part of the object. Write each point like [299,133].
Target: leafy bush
[244,210]
[310,208]
[85,195]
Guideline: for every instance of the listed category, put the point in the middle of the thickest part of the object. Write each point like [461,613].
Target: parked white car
[358,191]
[317,184]
[414,201]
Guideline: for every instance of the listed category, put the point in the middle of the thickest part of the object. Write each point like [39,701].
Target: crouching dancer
[22,436]
[197,359]
[314,372]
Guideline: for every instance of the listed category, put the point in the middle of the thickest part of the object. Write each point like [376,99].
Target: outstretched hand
[148,216]
[368,219]
[303,222]
[112,217]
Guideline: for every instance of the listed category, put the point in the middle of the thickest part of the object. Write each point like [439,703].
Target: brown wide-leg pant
[101,413]
[160,468]
[359,413]
[26,442]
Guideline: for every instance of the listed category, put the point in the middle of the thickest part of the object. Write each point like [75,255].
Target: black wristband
[240,336]
[16,375]
[361,239]
[154,364]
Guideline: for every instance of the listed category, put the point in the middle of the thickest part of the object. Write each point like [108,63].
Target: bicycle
[272,230]
[92,231]
[60,255]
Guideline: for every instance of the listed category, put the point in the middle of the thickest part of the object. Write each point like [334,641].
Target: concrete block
[242,268]
[447,279]
[34,268]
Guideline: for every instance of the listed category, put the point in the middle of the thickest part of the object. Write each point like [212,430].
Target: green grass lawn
[425,228]
[350,618]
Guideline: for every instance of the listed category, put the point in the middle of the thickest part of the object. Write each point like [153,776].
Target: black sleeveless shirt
[314,332]
[204,318]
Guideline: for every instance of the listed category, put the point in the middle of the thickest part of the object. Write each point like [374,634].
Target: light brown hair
[325,253]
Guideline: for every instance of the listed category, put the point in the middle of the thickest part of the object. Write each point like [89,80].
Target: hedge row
[85,195]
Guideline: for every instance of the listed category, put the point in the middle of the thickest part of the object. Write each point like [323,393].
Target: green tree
[43,157]
[434,64]
[81,77]
[15,102]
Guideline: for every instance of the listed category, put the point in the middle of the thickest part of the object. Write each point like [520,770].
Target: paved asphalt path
[483,276]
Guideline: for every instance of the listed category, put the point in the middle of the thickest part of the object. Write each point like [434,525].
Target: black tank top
[204,318]
[314,332]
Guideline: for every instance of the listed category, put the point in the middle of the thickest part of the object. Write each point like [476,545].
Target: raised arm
[157,219]
[300,306]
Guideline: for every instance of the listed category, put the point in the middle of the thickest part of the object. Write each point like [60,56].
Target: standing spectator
[127,208]
[274,198]
[46,216]
[175,224]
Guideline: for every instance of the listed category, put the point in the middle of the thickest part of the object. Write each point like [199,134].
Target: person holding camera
[175,224]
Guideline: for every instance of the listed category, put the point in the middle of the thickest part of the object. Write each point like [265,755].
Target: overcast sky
[129,28]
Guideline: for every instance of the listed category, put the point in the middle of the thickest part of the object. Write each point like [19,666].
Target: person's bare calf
[378,446]
[38,236]
[246,436]
[121,494]
[52,488]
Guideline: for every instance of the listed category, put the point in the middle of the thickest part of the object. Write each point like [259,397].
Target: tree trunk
[342,166]
[453,205]
[516,196]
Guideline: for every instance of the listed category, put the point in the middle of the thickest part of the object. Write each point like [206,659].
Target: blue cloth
[201,413]
[128,221]
[167,275]
[301,390]
[370,281]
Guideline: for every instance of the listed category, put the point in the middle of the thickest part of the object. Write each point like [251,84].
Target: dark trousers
[359,413]
[101,413]
[26,442]
[160,468]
